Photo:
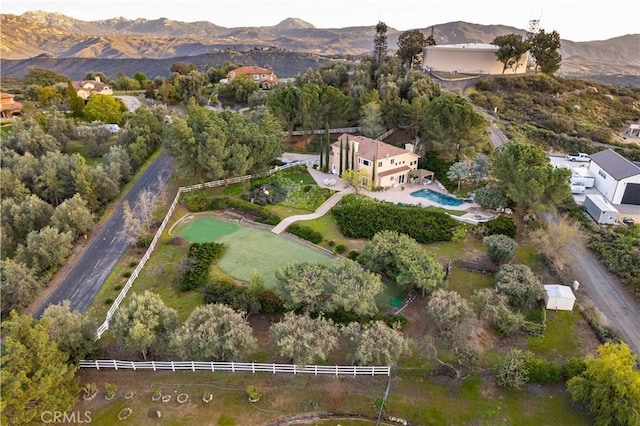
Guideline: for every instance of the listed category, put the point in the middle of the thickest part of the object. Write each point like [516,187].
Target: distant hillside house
[617,178]
[386,165]
[264,77]
[87,88]
[9,107]
[468,58]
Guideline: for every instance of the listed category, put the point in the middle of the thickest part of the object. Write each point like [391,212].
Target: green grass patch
[327,226]
[466,282]
[443,210]
[206,229]
[558,342]
[389,291]
[528,255]
[250,248]
[284,211]
[298,174]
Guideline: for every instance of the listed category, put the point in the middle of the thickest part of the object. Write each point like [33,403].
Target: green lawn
[559,340]
[258,249]
[207,229]
[466,282]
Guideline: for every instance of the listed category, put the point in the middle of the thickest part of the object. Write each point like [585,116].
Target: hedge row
[305,233]
[222,290]
[362,217]
[200,256]
[261,214]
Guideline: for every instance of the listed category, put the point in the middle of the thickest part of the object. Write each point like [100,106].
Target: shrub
[501,225]
[233,189]
[126,274]
[574,367]
[491,198]
[270,302]
[340,249]
[500,248]
[362,217]
[512,370]
[133,264]
[144,240]
[541,371]
[197,201]
[200,256]
[305,233]
[108,301]
[353,255]
[118,287]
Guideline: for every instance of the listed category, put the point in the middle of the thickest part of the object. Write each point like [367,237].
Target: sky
[577,20]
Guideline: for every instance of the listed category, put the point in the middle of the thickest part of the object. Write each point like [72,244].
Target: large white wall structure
[468,58]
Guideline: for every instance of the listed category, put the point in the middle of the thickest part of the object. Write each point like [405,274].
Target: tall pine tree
[380,44]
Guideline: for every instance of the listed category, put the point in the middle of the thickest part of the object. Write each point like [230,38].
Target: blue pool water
[445,200]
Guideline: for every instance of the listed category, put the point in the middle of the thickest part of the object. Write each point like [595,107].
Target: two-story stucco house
[617,178]
[264,77]
[9,107]
[87,88]
[386,165]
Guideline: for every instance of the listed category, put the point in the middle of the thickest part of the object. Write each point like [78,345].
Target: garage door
[631,194]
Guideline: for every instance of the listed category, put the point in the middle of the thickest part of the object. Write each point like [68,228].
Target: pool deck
[402,195]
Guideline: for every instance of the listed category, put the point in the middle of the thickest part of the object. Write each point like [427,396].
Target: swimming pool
[445,200]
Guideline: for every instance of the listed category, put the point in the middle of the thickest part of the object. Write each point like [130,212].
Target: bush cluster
[502,225]
[619,249]
[260,213]
[305,233]
[340,316]
[222,290]
[362,217]
[200,258]
[542,371]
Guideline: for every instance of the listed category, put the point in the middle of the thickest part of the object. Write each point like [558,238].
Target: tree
[73,216]
[493,307]
[492,198]
[145,323]
[239,89]
[351,288]
[131,224]
[190,85]
[511,47]
[61,128]
[371,120]
[141,78]
[301,285]
[38,254]
[512,370]
[380,44]
[375,343]
[527,176]
[304,340]
[403,260]
[118,164]
[610,386]
[519,284]
[214,332]
[459,171]
[104,108]
[18,285]
[451,127]
[28,136]
[448,309]
[410,46]
[76,103]
[355,179]
[480,167]
[544,49]
[43,77]
[35,373]
[73,331]
[500,248]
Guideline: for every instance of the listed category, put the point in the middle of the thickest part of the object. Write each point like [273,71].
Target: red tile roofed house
[385,164]
[264,77]
[9,107]
[87,88]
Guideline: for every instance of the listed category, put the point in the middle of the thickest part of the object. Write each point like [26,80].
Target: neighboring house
[633,131]
[617,178]
[87,88]
[9,107]
[264,77]
[385,165]
[468,58]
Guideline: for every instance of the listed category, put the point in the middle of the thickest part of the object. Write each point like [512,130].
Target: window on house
[379,163]
[392,161]
[264,76]
[364,162]
[603,174]
[391,178]
[256,76]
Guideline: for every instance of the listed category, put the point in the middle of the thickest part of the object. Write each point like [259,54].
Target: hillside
[32,34]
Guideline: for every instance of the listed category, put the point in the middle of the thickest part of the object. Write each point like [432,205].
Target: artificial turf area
[250,249]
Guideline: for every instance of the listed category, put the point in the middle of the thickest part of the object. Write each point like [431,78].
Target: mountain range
[74,47]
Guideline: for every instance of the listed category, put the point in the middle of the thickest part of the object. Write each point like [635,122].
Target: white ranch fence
[323,131]
[123,293]
[237,367]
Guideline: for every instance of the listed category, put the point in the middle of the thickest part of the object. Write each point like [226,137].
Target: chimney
[355,145]
[97,78]
[408,147]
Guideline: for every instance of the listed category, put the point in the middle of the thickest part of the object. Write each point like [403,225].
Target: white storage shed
[600,209]
[559,297]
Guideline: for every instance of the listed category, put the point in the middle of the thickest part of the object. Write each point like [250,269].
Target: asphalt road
[618,308]
[85,278]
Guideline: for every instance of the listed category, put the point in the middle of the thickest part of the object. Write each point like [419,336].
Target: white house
[559,297]
[468,58]
[617,178]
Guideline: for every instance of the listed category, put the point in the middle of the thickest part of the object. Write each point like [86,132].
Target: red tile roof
[370,148]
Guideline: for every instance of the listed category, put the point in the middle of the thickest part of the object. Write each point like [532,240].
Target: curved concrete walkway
[320,211]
